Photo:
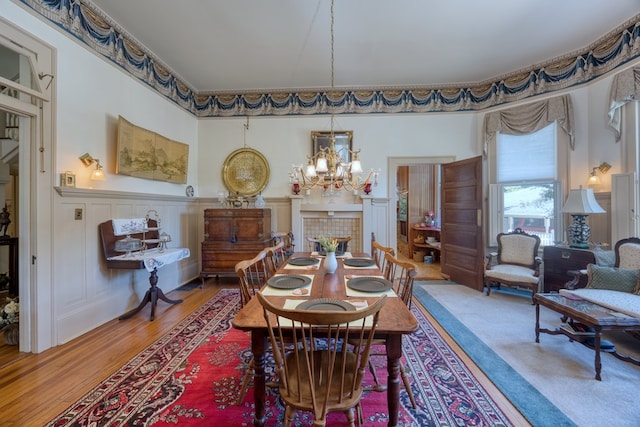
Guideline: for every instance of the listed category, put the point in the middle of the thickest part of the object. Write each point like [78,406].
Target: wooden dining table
[395,320]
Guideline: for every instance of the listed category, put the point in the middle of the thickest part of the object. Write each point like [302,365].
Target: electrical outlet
[78,214]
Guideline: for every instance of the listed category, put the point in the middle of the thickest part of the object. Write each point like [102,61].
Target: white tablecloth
[153,258]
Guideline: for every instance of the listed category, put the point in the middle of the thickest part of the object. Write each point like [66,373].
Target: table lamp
[580,204]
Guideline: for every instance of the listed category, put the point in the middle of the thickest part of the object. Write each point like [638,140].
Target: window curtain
[530,118]
[624,88]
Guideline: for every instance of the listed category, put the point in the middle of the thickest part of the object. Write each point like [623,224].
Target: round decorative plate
[245,172]
[369,284]
[189,191]
[288,281]
[303,261]
[326,304]
[359,262]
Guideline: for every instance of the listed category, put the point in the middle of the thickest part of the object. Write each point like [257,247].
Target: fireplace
[335,219]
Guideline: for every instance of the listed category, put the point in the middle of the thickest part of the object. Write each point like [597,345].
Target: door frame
[392,166]
[35,187]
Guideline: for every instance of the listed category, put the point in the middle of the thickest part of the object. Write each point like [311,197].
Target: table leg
[537,322]
[596,346]
[259,389]
[151,296]
[394,353]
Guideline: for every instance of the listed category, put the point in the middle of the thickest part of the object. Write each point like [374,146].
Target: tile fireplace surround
[337,218]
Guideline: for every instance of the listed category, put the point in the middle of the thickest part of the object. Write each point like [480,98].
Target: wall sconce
[98,173]
[594,179]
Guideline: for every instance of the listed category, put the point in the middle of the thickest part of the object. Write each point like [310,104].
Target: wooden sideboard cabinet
[559,260]
[233,235]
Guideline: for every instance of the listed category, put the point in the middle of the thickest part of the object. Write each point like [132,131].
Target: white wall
[287,140]
[91,93]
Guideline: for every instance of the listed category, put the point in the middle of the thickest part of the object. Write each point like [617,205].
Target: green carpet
[530,402]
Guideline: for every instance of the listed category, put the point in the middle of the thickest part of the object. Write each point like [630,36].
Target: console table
[151,259]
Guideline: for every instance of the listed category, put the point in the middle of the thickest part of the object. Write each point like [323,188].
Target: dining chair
[516,263]
[287,239]
[343,244]
[275,257]
[253,274]
[319,373]
[378,252]
[402,275]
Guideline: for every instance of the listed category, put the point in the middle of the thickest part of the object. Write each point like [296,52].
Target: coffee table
[590,314]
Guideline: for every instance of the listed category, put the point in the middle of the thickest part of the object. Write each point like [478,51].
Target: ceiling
[219,46]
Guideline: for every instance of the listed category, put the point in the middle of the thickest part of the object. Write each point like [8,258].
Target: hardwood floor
[34,388]
[425,271]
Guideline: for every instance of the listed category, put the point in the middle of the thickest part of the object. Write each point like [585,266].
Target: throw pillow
[611,278]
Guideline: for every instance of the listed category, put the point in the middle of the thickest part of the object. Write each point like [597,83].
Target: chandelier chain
[332,68]
[332,169]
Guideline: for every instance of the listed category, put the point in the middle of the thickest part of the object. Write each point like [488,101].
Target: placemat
[269,291]
[353,293]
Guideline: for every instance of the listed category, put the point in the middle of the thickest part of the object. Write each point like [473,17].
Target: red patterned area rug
[192,376]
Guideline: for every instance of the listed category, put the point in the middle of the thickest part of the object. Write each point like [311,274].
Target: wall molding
[87,24]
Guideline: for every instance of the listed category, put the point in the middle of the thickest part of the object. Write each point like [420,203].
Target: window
[526,191]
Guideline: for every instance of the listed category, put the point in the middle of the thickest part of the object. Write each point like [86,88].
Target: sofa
[617,287]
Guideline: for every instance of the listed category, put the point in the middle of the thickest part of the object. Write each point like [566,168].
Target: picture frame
[67,179]
[343,142]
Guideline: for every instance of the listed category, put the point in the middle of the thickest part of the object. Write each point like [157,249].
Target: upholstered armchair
[516,263]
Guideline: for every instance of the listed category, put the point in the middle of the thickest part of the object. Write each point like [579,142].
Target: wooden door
[462,257]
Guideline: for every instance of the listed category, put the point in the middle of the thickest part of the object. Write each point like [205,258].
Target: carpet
[502,327]
[533,405]
[191,376]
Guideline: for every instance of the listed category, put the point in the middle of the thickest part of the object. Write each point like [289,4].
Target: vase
[12,334]
[330,263]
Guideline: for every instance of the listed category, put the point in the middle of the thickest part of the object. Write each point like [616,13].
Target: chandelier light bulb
[321,165]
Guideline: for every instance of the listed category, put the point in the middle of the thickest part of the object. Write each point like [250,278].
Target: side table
[561,262]
[152,260]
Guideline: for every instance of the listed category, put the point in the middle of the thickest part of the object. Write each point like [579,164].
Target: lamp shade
[582,201]
[321,165]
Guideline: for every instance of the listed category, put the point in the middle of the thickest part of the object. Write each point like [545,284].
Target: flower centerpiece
[328,244]
[9,318]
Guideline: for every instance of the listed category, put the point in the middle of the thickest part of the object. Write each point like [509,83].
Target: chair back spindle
[253,274]
[320,373]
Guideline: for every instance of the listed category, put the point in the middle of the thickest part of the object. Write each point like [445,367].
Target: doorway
[27,88]
[413,190]
[9,220]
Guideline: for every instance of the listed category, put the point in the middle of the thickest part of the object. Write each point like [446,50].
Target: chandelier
[329,168]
